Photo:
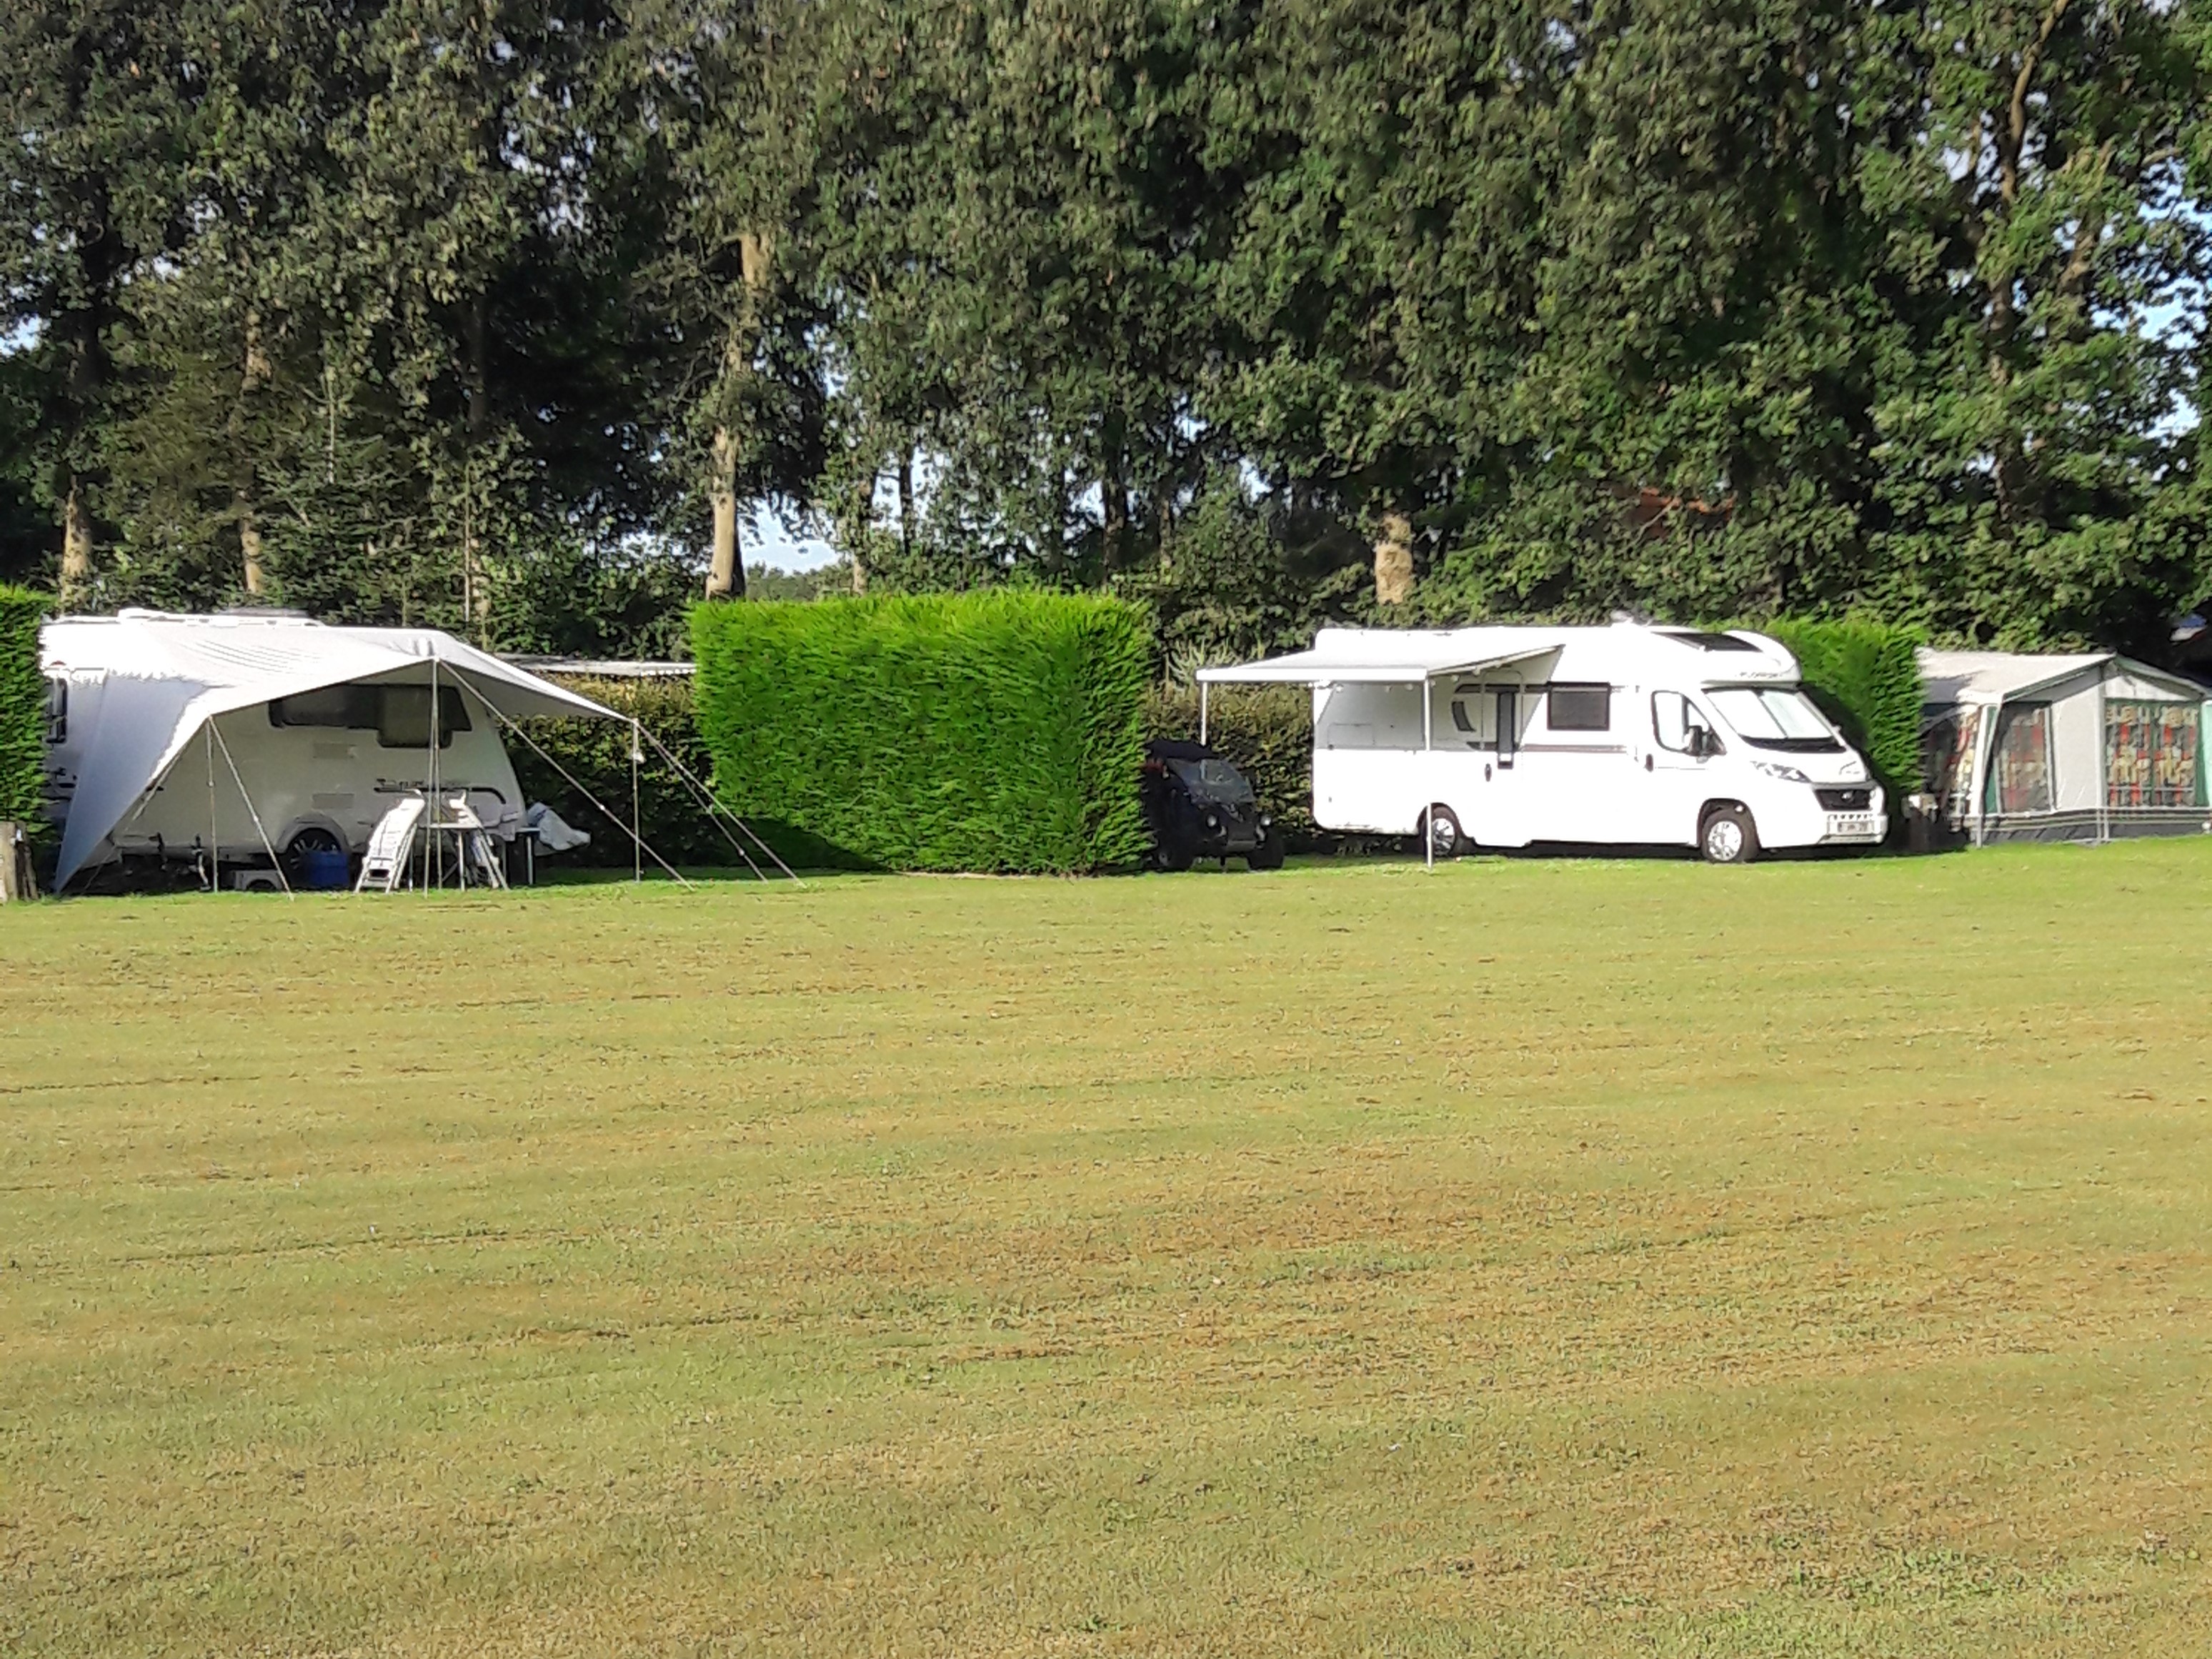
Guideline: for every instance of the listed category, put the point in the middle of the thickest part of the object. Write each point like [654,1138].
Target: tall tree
[91,103]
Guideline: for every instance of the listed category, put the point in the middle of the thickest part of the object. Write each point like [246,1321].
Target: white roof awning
[164,677]
[1322,666]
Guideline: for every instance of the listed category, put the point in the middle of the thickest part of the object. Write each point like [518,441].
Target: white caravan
[254,733]
[1635,735]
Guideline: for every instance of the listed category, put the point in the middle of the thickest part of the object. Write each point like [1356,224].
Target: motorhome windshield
[1768,718]
[1214,780]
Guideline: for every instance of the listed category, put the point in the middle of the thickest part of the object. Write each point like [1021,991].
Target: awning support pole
[215,855]
[1203,687]
[1428,825]
[254,813]
[432,877]
[636,840]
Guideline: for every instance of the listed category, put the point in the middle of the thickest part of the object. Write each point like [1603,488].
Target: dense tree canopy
[510,313]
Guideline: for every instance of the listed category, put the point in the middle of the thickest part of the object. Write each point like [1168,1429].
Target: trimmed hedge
[1866,676]
[597,754]
[22,712]
[1265,731]
[994,731]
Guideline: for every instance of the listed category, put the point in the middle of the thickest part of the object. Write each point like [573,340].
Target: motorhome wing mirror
[1701,742]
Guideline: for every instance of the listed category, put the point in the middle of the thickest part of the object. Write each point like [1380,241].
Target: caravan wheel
[1441,825]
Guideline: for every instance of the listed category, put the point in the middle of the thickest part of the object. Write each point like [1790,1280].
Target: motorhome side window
[1580,708]
[57,710]
[1673,717]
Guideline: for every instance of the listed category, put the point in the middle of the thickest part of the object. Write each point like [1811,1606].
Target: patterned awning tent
[2085,747]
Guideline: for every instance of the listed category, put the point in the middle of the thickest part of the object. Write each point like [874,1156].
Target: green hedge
[1866,676]
[22,712]
[597,754]
[1265,731]
[993,731]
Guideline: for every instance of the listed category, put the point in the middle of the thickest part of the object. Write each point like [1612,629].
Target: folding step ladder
[385,864]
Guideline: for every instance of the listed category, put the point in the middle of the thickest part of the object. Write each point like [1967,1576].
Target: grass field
[1541,1257]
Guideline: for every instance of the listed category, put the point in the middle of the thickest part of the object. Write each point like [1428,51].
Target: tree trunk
[476,602]
[249,540]
[252,377]
[76,547]
[1394,560]
[1114,502]
[906,499]
[726,572]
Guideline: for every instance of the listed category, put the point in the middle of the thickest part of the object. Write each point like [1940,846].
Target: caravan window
[57,710]
[398,714]
[404,718]
[1580,708]
[346,706]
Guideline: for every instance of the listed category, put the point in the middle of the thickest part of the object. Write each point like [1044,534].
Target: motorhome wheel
[1728,836]
[1446,839]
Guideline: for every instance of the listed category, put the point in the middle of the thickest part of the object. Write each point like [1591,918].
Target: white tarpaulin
[164,677]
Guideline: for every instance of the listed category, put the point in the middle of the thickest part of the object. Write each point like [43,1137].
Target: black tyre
[311,840]
[1267,855]
[1440,826]
[1727,836]
[1172,853]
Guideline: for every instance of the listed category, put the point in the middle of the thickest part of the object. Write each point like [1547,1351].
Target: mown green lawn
[1540,1257]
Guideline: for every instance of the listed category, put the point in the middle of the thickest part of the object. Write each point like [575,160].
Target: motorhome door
[1681,746]
[1482,783]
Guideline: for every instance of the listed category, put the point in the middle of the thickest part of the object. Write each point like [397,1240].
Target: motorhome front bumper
[1851,828]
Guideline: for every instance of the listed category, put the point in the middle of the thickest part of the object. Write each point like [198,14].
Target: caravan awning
[1324,666]
[164,677]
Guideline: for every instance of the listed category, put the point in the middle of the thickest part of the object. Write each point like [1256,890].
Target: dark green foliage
[595,753]
[1264,730]
[23,710]
[993,731]
[1866,676]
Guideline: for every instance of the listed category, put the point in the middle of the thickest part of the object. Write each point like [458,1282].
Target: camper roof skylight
[1704,641]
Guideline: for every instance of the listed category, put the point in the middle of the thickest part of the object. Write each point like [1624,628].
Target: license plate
[1852,825]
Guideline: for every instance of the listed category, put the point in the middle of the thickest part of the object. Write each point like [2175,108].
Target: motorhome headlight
[1776,769]
[1854,769]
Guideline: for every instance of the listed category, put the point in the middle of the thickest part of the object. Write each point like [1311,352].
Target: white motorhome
[1629,734]
[259,732]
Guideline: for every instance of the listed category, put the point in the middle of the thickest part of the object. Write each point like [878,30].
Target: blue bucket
[323,869]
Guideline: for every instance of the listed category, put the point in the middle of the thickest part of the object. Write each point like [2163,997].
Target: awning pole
[1203,687]
[215,857]
[636,840]
[1429,825]
[433,875]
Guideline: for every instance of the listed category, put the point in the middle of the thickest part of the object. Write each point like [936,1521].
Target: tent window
[57,710]
[2020,769]
[1580,708]
[1947,760]
[350,706]
[2152,756]
[404,716]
